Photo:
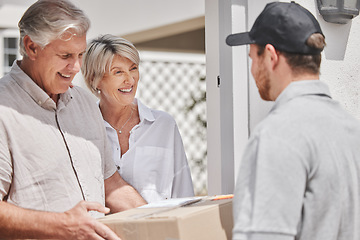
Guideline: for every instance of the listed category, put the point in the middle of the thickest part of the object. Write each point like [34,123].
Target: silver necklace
[119,130]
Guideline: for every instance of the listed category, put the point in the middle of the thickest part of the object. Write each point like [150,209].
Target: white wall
[122,17]
[341,62]
[117,17]
[10,14]
[213,96]
[227,104]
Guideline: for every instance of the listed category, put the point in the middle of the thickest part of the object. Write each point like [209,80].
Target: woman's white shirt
[155,164]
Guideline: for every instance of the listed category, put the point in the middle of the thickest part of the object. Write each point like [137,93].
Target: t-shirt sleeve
[269,190]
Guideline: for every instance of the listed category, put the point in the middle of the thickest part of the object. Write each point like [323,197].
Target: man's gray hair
[99,55]
[48,20]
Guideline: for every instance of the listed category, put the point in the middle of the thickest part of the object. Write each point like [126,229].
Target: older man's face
[58,63]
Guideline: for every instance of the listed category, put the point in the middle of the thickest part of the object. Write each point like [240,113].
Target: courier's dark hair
[303,63]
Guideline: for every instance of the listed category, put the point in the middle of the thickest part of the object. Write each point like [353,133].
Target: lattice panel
[168,82]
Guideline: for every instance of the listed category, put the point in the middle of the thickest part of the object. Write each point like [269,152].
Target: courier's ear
[31,48]
[273,55]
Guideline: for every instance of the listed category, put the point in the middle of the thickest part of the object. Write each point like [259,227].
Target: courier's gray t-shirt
[300,173]
[51,156]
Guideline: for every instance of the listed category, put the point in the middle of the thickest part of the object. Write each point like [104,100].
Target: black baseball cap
[286,26]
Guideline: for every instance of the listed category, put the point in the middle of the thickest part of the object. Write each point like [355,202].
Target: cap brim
[239,39]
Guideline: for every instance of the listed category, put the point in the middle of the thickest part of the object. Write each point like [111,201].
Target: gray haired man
[56,168]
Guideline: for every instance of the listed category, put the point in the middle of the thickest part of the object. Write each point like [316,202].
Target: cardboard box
[204,218]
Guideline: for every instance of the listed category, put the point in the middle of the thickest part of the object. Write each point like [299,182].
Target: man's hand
[80,225]
[20,223]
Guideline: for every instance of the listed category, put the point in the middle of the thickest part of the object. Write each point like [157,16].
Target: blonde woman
[147,146]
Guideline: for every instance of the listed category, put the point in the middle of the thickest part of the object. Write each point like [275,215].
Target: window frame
[5,65]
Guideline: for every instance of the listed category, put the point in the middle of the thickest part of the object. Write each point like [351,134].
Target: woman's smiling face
[119,85]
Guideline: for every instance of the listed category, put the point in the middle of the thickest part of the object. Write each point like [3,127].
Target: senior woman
[147,146]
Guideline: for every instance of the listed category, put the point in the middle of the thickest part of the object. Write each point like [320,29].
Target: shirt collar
[301,88]
[145,113]
[35,92]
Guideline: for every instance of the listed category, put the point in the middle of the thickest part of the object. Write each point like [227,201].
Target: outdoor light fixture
[338,11]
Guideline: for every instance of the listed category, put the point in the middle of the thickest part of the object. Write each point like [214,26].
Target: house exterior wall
[124,17]
[11,12]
